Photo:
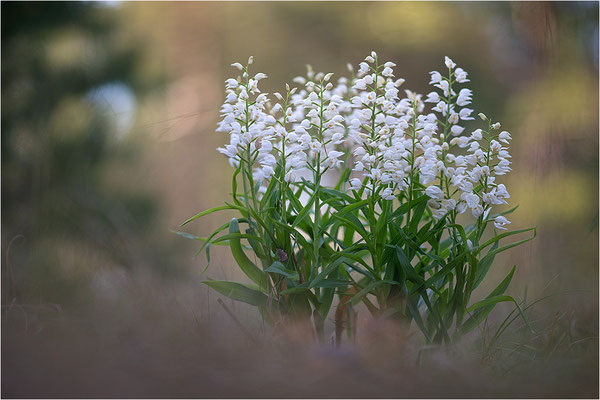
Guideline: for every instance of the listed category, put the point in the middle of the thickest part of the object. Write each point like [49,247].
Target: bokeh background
[108,144]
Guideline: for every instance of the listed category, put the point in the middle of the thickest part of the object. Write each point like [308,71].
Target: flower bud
[482,116]
[250,59]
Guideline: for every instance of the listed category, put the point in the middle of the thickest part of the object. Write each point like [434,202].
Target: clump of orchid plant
[405,226]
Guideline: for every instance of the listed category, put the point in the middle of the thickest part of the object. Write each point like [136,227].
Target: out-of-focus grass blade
[239,292]
[484,309]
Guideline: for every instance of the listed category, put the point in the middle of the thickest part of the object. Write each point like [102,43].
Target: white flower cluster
[466,181]
[249,126]
[378,126]
[392,141]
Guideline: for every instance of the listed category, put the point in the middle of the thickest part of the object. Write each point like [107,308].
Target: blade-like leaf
[252,271]
[239,292]
[279,268]
[209,211]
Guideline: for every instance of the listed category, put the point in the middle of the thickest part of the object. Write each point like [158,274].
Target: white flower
[465,114]
[477,135]
[490,198]
[260,76]
[238,66]
[464,97]
[355,183]
[449,204]
[290,176]
[387,194]
[363,68]
[471,199]
[439,213]
[457,130]
[501,192]
[449,63]
[461,75]
[500,221]
[359,166]
[504,137]
[434,192]
[495,146]
[267,171]
[436,77]
[360,84]
[477,211]
[231,83]
[453,118]
[432,97]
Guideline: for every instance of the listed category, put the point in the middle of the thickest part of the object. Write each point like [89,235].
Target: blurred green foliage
[57,139]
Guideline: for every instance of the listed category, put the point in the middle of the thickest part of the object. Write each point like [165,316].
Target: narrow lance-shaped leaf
[247,266]
[238,292]
[279,268]
[209,211]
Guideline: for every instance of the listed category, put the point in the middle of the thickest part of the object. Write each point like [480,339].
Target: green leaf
[238,292]
[413,309]
[254,243]
[270,189]
[353,222]
[279,268]
[403,209]
[492,253]
[489,301]
[252,271]
[492,301]
[302,289]
[439,276]
[207,249]
[302,214]
[484,266]
[330,283]
[367,289]
[209,211]
[293,199]
[343,178]
[505,234]
[417,216]
[481,312]
[331,268]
